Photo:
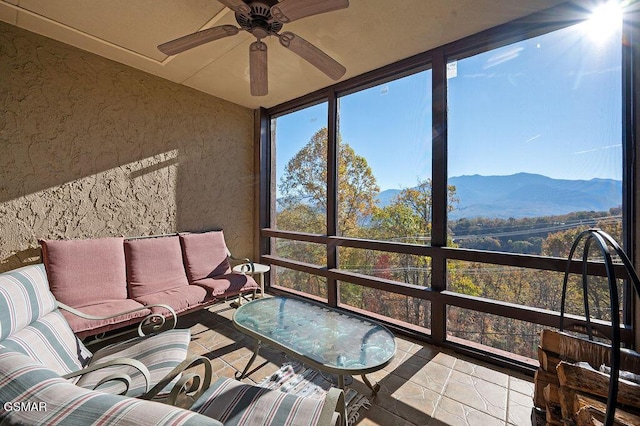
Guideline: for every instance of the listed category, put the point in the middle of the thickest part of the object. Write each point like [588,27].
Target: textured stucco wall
[92,148]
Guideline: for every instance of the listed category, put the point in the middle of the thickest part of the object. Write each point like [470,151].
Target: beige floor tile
[432,376]
[453,413]
[519,409]
[213,340]
[522,386]
[407,399]
[377,416]
[484,373]
[476,393]
[397,360]
[444,359]
[426,352]
[405,345]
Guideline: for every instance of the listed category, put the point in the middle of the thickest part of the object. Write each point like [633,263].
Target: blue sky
[549,105]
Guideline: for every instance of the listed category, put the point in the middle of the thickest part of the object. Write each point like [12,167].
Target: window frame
[440,298]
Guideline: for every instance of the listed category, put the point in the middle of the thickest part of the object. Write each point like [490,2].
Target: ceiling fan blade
[237,6]
[290,10]
[258,68]
[196,39]
[312,54]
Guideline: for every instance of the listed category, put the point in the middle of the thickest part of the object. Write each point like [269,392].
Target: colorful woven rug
[295,378]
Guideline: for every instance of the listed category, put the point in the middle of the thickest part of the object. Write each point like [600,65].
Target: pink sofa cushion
[84,272]
[205,255]
[153,265]
[228,284]
[86,327]
[180,299]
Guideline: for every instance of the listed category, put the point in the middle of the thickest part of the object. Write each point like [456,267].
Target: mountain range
[525,195]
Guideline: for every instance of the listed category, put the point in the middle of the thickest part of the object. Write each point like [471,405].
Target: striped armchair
[48,377]
[35,395]
[143,367]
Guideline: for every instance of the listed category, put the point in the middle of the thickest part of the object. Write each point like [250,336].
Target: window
[301,170]
[535,142]
[531,138]
[384,161]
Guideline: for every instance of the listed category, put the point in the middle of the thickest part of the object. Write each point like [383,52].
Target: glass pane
[384,175]
[500,333]
[301,170]
[396,307]
[300,281]
[405,268]
[530,287]
[535,142]
[301,251]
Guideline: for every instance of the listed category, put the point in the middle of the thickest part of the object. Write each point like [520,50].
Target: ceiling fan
[264,18]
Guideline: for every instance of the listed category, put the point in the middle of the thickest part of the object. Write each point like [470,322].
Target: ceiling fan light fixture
[264,18]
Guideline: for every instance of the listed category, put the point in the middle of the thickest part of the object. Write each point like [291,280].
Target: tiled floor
[422,385]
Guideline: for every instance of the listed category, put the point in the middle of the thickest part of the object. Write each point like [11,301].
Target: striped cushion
[24,297]
[160,353]
[58,402]
[236,403]
[50,341]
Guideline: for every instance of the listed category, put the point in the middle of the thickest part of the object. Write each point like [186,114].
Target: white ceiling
[366,36]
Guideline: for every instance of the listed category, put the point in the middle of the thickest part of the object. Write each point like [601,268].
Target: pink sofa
[105,276]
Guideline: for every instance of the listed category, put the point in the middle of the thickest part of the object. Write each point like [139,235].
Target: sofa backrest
[205,255]
[154,264]
[85,272]
[32,325]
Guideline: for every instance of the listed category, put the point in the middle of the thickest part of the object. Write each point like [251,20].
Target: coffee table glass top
[337,341]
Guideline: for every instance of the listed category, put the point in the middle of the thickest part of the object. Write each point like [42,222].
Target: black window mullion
[630,155]
[332,195]
[439,193]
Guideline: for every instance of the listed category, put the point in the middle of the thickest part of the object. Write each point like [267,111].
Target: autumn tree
[559,244]
[304,183]
[408,219]
[303,206]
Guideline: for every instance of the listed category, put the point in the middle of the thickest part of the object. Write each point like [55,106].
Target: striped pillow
[50,341]
[58,402]
[238,404]
[24,297]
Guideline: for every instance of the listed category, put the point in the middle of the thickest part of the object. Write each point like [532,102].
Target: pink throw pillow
[84,272]
[205,255]
[154,264]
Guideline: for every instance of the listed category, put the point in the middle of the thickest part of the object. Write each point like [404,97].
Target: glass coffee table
[332,341]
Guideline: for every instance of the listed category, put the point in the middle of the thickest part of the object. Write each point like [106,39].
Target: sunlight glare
[604,21]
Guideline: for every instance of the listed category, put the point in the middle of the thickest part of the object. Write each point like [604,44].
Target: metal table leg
[374,388]
[341,381]
[253,358]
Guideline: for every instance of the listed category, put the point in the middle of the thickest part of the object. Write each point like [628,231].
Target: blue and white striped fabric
[160,353]
[30,322]
[34,395]
[24,297]
[49,341]
[238,404]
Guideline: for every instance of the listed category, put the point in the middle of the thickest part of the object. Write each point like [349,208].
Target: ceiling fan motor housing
[260,23]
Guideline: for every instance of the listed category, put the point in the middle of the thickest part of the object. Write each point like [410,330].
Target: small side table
[258,269]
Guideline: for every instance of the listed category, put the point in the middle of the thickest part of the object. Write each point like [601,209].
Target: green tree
[304,183]
[303,206]
[408,219]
